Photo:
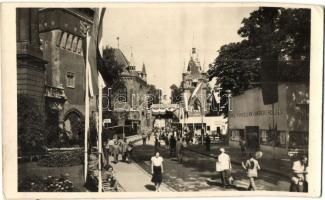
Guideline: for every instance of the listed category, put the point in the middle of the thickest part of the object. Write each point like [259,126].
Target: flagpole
[86,112]
[100,129]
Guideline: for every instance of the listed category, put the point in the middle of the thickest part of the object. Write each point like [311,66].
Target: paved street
[197,172]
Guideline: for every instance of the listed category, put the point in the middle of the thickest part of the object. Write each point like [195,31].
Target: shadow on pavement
[150,187]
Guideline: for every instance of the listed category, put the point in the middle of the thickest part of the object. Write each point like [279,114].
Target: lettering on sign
[255,113]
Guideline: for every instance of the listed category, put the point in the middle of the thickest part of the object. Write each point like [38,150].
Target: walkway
[133,178]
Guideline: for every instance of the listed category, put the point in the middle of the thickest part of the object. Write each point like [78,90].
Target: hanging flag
[269,78]
[195,93]
[215,103]
[92,41]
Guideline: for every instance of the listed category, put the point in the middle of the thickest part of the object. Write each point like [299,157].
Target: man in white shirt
[223,166]
[299,170]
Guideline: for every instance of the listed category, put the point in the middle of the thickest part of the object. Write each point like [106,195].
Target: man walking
[179,150]
[207,142]
[144,139]
[223,166]
[172,144]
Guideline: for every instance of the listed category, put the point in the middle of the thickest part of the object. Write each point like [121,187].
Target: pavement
[197,172]
[133,178]
[280,167]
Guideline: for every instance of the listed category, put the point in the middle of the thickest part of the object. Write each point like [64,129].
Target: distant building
[251,120]
[194,77]
[197,102]
[131,105]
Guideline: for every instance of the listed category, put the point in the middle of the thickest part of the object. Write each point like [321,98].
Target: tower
[143,72]
[30,62]
[193,78]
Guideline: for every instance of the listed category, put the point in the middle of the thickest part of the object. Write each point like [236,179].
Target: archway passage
[74,127]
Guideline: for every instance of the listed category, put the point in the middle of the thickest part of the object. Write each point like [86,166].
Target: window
[298,140]
[70,80]
[267,138]
[235,134]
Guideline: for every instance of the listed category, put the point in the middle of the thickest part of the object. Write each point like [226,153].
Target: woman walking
[157,170]
[251,166]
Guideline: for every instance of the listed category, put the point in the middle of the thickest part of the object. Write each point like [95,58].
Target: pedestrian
[223,166]
[144,138]
[172,144]
[110,178]
[124,146]
[116,149]
[207,142]
[129,152]
[157,170]
[299,172]
[179,150]
[157,144]
[106,151]
[243,148]
[251,166]
[166,142]
[149,135]
[110,146]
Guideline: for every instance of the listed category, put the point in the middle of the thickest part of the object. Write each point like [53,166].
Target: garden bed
[63,158]
[46,184]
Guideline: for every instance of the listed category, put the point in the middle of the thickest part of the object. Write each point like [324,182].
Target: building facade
[280,129]
[131,104]
[31,66]
[63,43]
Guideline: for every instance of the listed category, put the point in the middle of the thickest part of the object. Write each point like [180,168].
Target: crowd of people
[175,141]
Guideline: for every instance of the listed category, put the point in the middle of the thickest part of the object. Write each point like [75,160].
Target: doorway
[252,137]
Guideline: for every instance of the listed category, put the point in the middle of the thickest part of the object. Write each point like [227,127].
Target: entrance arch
[74,125]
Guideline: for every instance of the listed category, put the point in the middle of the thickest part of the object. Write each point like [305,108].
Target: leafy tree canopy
[269,34]
[176,94]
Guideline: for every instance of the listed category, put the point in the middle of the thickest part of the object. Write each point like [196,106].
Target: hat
[222,150]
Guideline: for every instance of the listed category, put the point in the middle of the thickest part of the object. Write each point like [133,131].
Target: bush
[63,158]
[31,127]
[46,184]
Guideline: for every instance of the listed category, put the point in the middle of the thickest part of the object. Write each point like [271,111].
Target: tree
[176,94]
[153,95]
[31,126]
[279,35]
[111,70]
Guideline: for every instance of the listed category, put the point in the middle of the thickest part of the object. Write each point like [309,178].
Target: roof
[120,58]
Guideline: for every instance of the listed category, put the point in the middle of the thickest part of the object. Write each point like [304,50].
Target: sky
[162,36]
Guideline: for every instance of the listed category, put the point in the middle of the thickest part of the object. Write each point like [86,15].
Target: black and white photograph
[160,98]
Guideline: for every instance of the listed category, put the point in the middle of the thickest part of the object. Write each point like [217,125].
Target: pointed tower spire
[144,69]
[144,73]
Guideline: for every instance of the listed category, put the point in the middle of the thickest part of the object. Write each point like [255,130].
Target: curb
[239,163]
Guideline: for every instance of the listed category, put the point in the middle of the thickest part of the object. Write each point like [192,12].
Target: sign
[107,121]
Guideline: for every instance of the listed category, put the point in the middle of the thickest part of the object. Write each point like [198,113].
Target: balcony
[55,92]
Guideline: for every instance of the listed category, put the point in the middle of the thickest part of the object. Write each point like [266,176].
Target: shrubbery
[63,158]
[46,184]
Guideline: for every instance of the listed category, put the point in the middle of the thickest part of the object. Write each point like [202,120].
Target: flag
[92,53]
[195,93]
[269,78]
[215,103]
